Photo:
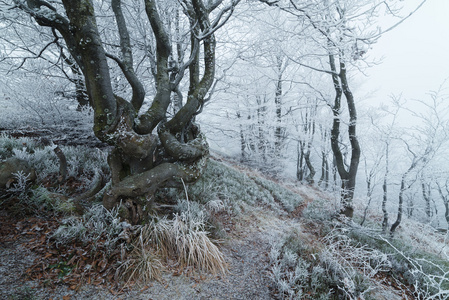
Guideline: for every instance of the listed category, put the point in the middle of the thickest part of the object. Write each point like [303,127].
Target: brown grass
[186,240]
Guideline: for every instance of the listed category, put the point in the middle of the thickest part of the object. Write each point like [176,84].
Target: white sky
[415,55]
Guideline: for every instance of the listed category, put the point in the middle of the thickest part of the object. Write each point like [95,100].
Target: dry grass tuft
[184,237]
[141,265]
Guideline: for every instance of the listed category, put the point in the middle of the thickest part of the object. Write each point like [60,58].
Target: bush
[338,270]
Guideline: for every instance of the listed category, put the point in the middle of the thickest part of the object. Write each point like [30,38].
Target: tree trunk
[427,199]
[312,172]
[401,198]
[348,177]
[278,133]
[142,161]
[299,161]
[385,191]
[445,198]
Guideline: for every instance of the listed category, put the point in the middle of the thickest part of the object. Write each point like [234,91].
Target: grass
[185,238]
[234,189]
[335,270]
[141,265]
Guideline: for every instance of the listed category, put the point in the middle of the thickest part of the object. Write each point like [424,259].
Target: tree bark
[385,190]
[142,161]
[348,177]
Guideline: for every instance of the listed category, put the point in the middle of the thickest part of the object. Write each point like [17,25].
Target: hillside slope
[279,241]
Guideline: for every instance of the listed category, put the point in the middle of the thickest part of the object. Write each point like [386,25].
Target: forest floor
[27,258]
[246,249]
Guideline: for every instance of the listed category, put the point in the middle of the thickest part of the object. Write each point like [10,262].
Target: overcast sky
[415,54]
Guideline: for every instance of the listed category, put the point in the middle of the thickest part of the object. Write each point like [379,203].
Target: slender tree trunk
[262,142]
[348,177]
[410,207]
[326,177]
[324,163]
[300,161]
[445,198]
[401,201]
[385,191]
[401,197]
[369,196]
[242,140]
[446,211]
[427,199]
[278,134]
[312,172]
[310,134]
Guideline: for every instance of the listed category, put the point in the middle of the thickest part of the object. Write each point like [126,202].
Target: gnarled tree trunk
[143,159]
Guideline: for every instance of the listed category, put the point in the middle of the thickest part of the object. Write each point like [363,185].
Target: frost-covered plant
[215,205]
[351,264]
[9,144]
[185,238]
[287,198]
[36,101]
[235,189]
[85,158]
[289,273]
[97,223]
[430,278]
[319,210]
[191,210]
[142,264]
[45,162]
[21,182]
[342,267]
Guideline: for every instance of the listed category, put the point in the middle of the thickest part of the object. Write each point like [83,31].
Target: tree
[443,190]
[29,49]
[329,22]
[422,144]
[150,149]
[341,32]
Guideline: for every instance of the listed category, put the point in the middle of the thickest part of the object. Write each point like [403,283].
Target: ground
[260,212]
[246,249]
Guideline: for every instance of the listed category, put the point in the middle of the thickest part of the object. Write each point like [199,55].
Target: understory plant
[225,185]
[182,237]
[336,270]
[23,197]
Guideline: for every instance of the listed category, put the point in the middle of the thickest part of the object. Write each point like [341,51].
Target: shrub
[339,269]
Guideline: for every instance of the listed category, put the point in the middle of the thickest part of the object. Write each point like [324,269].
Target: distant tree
[30,49]
[423,143]
[151,149]
[443,190]
[340,32]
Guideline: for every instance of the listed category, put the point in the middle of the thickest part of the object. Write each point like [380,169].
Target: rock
[10,167]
